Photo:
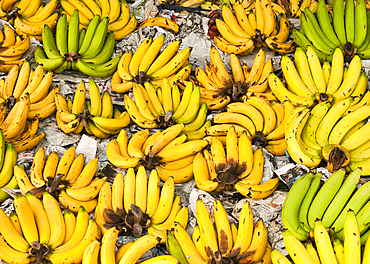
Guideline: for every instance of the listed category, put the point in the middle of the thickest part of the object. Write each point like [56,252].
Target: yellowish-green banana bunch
[147,64]
[310,81]
[8,158]
[97,116]
[104,251]
[12,48]
[261,116]
[69,179]
[29,17]
[37,231]
[221,241]
[136,204]
[334,131]
[328,248]
[118,13]
[237,166]
[346,27]
[242,32]
[170,153]
[88,51]
[218,88]
[165,106]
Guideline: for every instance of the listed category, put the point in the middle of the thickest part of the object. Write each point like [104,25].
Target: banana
[37,168]
[258,191]
[86,193]
[296,249]
[161,22]
[56,220]
[138,56]
[26,218]
[181,151]
[165,202]
[255,174]
[11,255]
[70,221]
[323,243]
[99,70]
[126,30]
[91,253]
[108,244]
[138,248]
[97,40]
[291,206]
[9,161]
[153,193]
[73,204]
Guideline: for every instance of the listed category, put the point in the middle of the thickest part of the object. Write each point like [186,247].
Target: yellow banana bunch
[45,233]
[218,88]
[88,51]
[310,81]
[163,22]
[148,64]
[241,32]
[97,116]
[261,116]
[293,8]
[237,166]
[21,80]
[217,244]
[29,17]
[208,5]
[167,151]
[329,249]
[149,111]
[73,181]
[12,48]
[118,13]
[138,203]
[333,131]
[14,125]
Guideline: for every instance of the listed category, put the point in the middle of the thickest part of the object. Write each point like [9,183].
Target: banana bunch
[224,243]
[88,51]
[38,231]
[218,88]
[117,13]
[14,125]
[104,251]
[148,111]
[167,151]
[307,202]
[329,249]
[237,167]
[8,158]
[97,116]
[331,131]
[21,80]
[69,179]
[137,204]
[263,119]
[163,22]
[348,29]
[240,33]
[29,17]
[209,5]
[12,48]
[310,81]
[148,65]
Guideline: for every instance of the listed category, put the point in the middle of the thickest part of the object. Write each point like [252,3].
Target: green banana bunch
[325,32]
[307,203]
[88,51]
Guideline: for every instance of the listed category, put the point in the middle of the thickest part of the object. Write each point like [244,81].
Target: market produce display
[159,146]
